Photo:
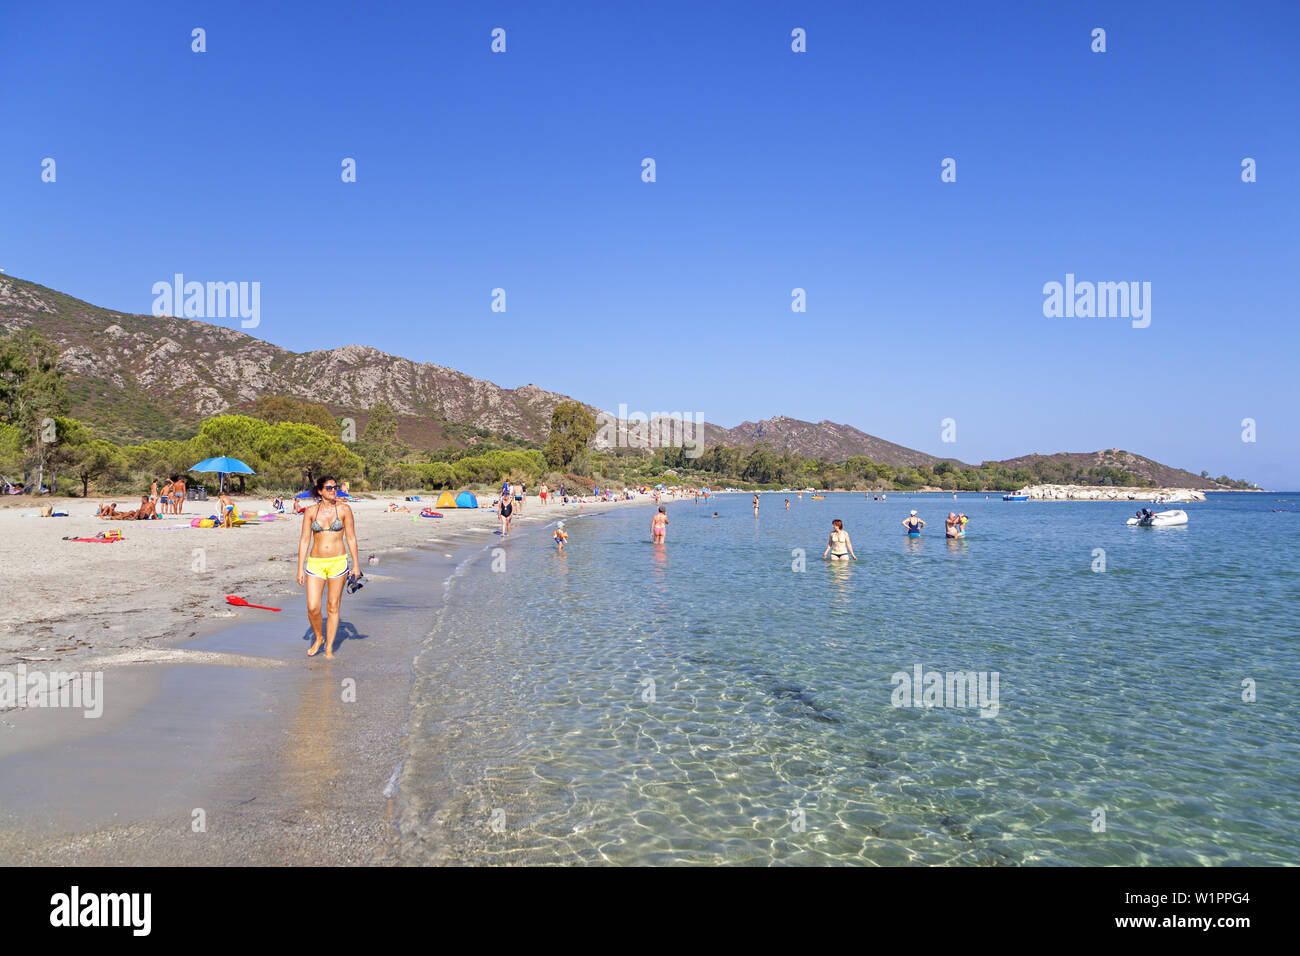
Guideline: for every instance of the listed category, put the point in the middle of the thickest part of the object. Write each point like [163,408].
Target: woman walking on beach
[505,508]
[839,547]
[659,526]
[328,538]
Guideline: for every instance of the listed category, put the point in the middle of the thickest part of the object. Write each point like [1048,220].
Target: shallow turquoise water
[771,735]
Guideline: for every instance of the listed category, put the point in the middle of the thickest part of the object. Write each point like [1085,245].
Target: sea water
[730,697]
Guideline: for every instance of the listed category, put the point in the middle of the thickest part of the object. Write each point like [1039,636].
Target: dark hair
[662,511]
[320,483]
[838,524]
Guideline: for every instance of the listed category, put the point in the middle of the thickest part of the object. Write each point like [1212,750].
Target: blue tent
[466,499]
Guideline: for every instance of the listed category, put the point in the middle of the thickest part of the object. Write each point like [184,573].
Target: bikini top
[335,525]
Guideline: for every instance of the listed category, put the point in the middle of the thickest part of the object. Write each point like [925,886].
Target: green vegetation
[763,467]
[572,427]
[290,442]
[281,408]
[32,394]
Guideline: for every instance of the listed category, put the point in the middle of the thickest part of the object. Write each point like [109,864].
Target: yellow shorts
[328,567]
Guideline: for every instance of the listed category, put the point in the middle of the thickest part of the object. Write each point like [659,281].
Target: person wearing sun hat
[561,536]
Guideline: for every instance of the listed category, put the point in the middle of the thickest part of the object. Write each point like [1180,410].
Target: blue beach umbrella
[223,466]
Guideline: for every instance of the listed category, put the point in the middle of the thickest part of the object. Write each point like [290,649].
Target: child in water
[561,536]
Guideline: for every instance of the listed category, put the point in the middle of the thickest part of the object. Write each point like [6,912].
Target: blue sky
[775,170]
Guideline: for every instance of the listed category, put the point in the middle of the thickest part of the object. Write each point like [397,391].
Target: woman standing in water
[756,502]
[328,538]
[839,547]
[659,526]
[505,509]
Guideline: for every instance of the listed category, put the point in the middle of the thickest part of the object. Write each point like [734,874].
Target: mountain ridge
[137,377]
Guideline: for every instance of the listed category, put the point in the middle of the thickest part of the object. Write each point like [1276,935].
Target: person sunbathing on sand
[394,506]
[106,510]
[129,515]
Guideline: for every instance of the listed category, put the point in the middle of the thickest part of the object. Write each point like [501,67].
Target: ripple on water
[704,704]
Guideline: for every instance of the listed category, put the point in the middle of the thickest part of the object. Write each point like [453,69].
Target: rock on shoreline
[1100,493]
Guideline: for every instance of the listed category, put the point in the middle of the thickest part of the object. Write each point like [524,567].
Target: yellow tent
[446,500]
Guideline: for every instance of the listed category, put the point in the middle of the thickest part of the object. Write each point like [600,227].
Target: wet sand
[220,743]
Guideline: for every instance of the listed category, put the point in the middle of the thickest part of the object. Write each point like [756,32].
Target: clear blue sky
[775,170]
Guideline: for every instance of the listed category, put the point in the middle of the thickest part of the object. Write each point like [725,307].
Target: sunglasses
[328,487]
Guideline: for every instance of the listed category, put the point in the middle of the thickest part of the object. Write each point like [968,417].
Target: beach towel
[101,538]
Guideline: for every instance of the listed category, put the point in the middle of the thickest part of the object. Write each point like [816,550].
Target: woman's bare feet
[311,652]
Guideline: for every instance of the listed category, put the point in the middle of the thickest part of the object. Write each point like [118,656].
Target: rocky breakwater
[1102,493]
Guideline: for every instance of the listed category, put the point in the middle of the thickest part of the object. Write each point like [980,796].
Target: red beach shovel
[237,600]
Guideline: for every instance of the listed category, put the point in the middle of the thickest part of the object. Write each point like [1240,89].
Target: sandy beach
[219,742]
[72,600]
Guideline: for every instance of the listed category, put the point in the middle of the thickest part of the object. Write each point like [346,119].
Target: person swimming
[839,546]
[913,524]
[327,558]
